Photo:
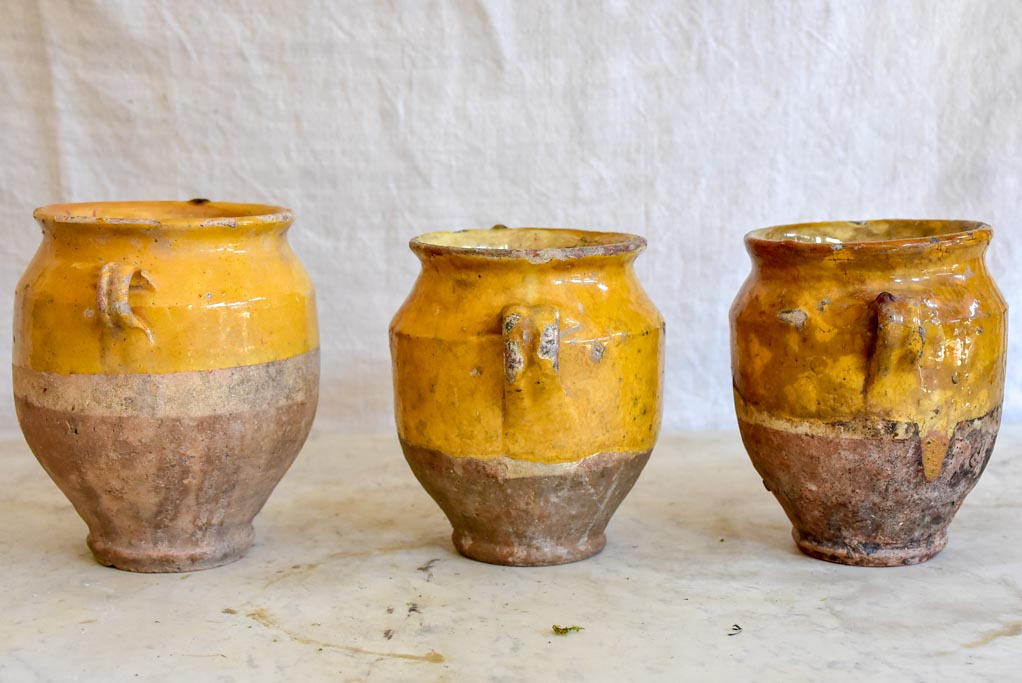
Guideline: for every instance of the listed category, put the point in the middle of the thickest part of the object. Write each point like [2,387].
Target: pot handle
[898,355]
[537,411]
[899,340]
[116,280]
[532,339]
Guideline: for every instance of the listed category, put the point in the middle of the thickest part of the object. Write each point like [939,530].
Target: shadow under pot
[527,379]
[868,368]
[166,369]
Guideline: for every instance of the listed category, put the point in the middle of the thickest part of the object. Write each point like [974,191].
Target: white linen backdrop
[687,122]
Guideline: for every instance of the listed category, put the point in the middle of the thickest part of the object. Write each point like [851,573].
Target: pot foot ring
[166,559]
[868,555]
[527,554]
[521,513]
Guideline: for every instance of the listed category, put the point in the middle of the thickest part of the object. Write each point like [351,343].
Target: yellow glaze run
[882,320]
[158,287]
[533,344]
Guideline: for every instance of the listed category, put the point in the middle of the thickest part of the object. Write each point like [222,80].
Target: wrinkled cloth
[687,122]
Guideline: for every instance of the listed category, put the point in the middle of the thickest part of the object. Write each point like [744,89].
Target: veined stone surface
[353,578]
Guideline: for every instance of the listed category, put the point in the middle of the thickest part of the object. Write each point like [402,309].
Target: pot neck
[532,248]
[912,245]
[194,220]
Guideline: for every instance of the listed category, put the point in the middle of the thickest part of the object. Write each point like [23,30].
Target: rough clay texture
[551,515]
[866,501]
[164,493]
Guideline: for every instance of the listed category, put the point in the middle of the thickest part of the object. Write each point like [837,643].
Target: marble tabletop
[353,577]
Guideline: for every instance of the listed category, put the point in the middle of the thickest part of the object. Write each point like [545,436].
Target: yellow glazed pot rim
[531,244]
[885,235]
[195,213]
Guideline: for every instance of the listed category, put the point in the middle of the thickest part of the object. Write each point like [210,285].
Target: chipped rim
[619,243]
[227,214]
[960,233]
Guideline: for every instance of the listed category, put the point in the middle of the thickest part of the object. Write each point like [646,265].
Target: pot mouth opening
[534,244]
[195,213]
[863,234]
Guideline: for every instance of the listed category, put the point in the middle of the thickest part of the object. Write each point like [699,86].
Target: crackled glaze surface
[166,371]
[535,347]
[873,335]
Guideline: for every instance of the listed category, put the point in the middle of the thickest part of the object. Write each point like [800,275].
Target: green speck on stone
[565,630]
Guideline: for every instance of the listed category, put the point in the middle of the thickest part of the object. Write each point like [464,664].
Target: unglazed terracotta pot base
[847,552]
[861,497]
[521,513]
[168,470]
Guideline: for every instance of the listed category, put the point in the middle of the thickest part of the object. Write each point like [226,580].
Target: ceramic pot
[868,370]
[527,382]
[166,372]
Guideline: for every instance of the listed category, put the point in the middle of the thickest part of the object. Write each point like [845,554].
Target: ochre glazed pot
[527,372]
[868,369]
[166,371]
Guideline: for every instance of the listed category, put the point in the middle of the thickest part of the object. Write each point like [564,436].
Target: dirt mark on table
[264,618]
[1006,631]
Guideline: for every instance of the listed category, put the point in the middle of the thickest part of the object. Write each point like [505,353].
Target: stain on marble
[299,570]
[265,619]
[1007,631]
[293,570]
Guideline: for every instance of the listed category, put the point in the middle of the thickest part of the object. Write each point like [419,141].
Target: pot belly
[168,470]
[858,493]
[523,513]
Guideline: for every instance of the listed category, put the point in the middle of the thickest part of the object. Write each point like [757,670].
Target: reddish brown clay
[169,484]
[860,496]
[508,513]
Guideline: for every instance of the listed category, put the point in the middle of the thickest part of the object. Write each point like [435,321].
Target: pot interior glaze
[888,230]
[527,243]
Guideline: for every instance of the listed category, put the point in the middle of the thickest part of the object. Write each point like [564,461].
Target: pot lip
[970,231]
[221,214]
[611,244]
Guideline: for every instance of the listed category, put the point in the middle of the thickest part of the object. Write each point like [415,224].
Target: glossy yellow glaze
[881,320]
[158,287]
[533,344]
